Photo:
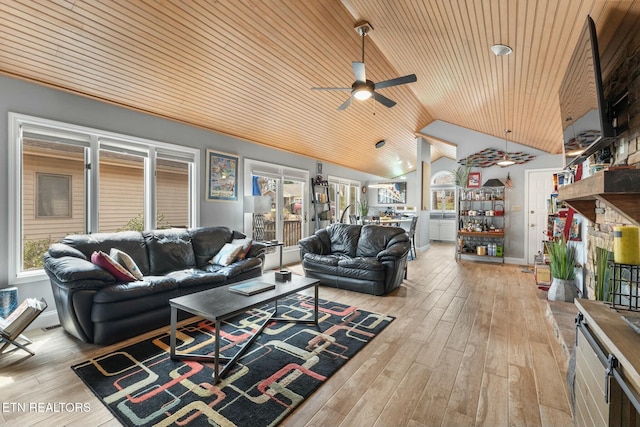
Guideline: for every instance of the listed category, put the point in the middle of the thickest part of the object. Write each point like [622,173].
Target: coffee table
[220,304]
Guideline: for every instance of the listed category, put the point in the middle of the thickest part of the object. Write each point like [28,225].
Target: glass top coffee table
[221,303]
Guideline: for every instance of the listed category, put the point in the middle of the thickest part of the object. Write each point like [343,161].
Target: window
[172,188]
[68,179]
[287,189]
[443,192]
[121,184]
[345,196]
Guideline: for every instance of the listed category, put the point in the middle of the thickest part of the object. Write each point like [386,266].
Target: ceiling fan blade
[358,71]
[345,104]
[383,100]
[332,88]
[397,81]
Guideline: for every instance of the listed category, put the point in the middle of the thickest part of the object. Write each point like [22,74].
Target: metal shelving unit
[321,204]
[481,222]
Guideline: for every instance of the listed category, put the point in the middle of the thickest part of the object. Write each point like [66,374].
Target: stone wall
[623,77]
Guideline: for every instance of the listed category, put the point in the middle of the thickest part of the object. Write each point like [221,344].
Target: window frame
[280,173]
[435,188]
[96,138]
[336,182]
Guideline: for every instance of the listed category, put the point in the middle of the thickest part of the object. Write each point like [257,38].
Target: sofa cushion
[125,300]
[207,241]
[196,277]
[150,285]
[344,239]
[375,239]
[105,261]
[126,261]
[361,263]
[237,268]
[321,259]
[364,269]
[169,250]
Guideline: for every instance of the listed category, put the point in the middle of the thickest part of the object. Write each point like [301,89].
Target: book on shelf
[252,288]
[21,317]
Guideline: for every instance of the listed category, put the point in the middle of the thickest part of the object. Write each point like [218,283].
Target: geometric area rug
[142,386]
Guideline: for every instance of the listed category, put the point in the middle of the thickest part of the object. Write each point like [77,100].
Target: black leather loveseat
[370,258]
[97,308]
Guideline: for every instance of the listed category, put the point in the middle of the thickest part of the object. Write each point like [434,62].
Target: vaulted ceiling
[246,68]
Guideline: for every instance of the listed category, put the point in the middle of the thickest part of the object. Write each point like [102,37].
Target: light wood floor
[470,346]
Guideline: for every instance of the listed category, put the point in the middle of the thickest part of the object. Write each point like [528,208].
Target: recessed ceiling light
[380,143]
[501,49]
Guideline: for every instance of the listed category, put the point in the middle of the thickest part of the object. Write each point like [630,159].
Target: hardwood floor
[470,346]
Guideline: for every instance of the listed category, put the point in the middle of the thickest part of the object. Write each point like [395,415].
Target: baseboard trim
[45,320]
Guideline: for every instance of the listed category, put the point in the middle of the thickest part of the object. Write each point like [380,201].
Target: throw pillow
[105,261]
[227,254]
[246,246]
[126,261]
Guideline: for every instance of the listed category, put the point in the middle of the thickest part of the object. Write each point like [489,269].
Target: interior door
[539,187]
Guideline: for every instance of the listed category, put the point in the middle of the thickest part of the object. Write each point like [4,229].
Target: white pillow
[227,254]
[126,261]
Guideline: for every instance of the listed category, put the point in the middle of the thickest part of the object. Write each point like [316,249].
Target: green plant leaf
[562,259]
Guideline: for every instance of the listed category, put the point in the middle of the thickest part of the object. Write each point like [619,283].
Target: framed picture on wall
[222,176]
[474,180]
[392,193]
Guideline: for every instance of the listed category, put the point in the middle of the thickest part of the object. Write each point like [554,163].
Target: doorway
[539,183]
[286,220]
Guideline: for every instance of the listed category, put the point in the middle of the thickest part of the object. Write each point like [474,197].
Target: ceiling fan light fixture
[362,90]
[362,94]
[501,49]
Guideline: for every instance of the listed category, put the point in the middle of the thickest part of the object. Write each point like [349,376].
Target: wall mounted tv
[586,126]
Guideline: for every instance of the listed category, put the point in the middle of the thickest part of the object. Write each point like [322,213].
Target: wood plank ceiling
[245,68]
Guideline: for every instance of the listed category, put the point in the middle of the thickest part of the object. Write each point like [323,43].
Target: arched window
[443,192]
[444,178]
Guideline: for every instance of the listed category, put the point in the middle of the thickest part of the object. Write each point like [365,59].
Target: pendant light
[504,50]
[506,160]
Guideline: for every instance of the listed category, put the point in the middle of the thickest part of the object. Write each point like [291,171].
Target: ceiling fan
[362,88]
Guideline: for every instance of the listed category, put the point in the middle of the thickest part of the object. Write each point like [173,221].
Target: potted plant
[562,263]
[461,175]
[363,208]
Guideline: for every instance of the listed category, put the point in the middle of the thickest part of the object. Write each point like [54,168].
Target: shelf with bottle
[484,194]
[481,222]
[475,244]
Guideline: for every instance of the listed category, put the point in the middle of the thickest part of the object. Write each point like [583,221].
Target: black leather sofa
[363,258]
[93,306]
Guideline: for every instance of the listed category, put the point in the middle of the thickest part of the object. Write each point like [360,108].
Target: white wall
[27,98]
[443,164]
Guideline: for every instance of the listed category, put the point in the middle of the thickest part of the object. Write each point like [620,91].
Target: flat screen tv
[586,126]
